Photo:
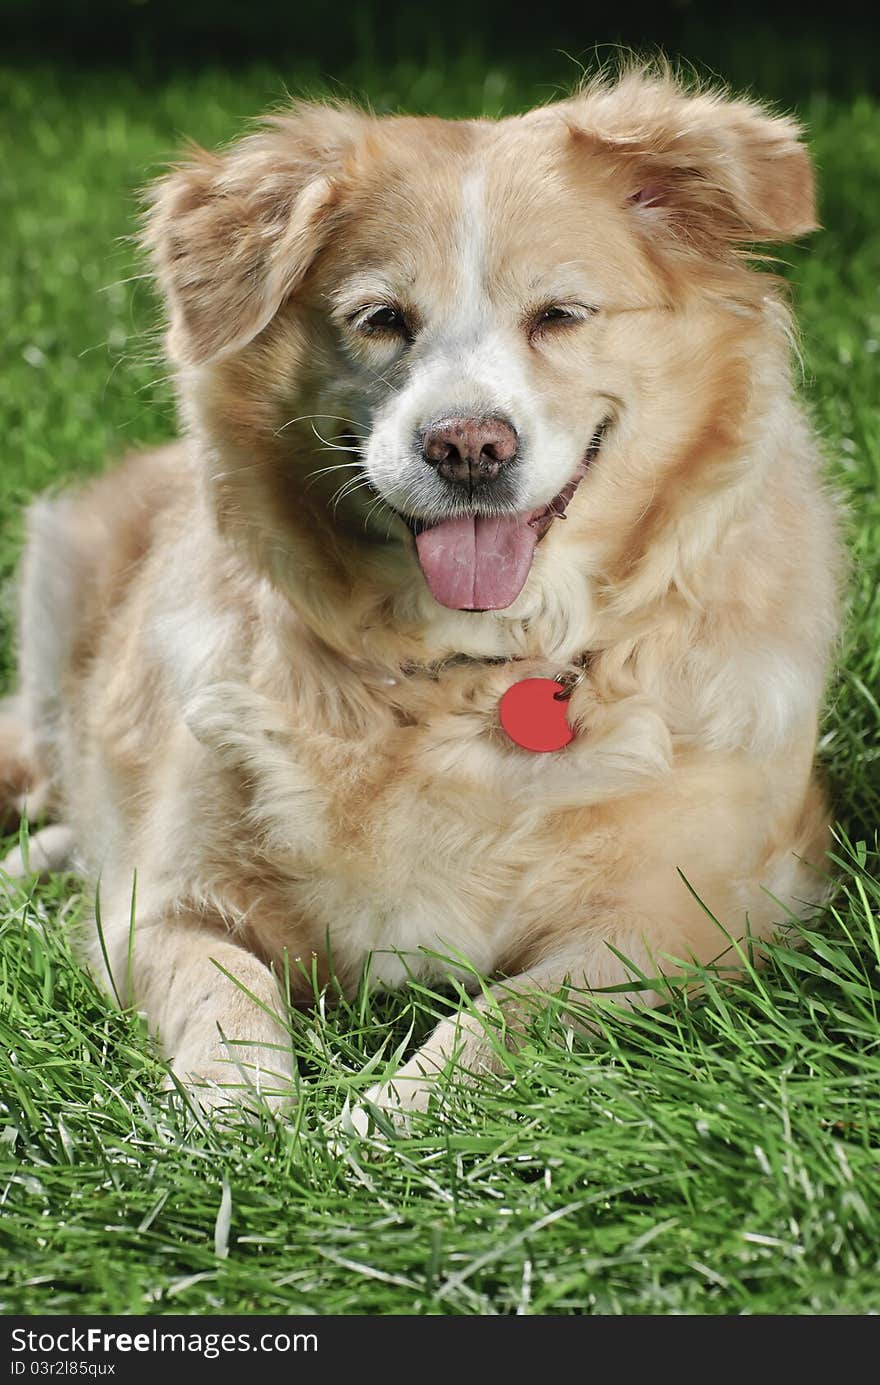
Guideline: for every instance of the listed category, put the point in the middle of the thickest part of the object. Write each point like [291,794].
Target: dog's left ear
[712,171]
[232,235]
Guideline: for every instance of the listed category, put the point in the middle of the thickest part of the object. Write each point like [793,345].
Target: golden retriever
[464,404]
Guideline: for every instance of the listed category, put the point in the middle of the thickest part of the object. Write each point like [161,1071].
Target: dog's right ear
[231,235]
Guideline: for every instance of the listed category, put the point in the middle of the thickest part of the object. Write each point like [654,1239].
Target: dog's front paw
[396,1101]
[47,851]
[458,1052]
[225,1085]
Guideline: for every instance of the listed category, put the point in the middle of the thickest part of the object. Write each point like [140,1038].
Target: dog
[479,624]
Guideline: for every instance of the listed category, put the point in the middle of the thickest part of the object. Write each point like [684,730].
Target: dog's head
[410,347]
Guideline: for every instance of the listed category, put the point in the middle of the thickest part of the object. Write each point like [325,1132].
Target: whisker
[333,446]
[360,478]
[312,476]
[378,504]
[356,483]
[335,418]
[391,518]
[238,470]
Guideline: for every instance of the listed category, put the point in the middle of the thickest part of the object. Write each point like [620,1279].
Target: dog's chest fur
[424,833]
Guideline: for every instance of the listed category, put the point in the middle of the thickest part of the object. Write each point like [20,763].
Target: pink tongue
[477,564]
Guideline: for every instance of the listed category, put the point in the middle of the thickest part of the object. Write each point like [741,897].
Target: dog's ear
[231,235]
[713,172]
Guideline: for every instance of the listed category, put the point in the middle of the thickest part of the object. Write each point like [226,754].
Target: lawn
[718,1155]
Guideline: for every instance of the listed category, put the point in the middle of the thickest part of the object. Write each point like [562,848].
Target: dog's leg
[14,762]
[20,782]
[226,1038]
[25,789]
[53,577]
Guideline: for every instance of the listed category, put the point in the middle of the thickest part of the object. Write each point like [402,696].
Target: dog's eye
[385,320]
[558,315]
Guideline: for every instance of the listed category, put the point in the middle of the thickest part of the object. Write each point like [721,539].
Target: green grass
[716,1156]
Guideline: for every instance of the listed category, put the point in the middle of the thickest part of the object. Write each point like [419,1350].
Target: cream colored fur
[235,682]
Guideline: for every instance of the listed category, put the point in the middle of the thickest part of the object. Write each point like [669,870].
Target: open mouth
[481,562]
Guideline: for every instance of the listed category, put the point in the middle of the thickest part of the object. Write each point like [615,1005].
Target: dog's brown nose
[469,450]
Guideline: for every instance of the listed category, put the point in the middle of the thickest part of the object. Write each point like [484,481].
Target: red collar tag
[533,712]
